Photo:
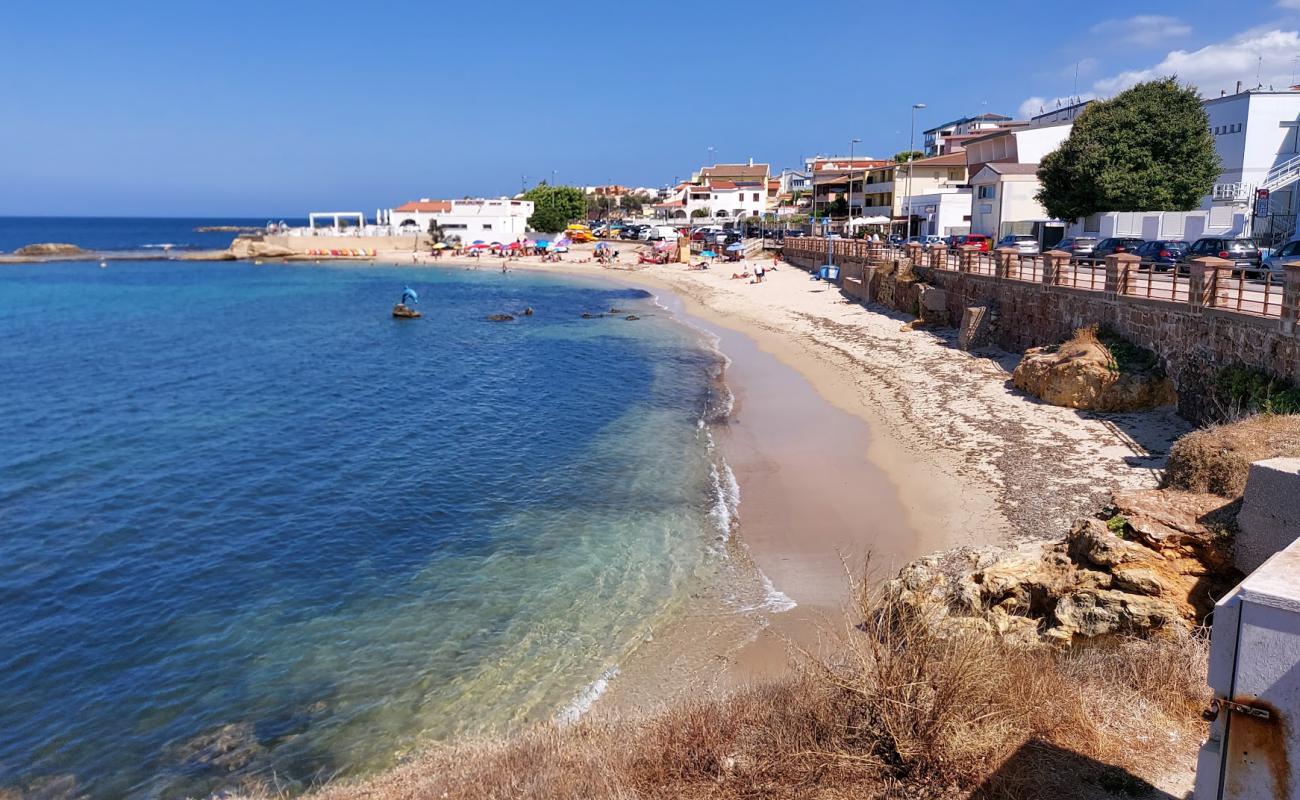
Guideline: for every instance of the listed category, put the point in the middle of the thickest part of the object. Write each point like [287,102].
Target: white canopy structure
[336,216]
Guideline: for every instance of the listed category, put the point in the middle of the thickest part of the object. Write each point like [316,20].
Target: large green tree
[1146,149]
[908,155]
[554,207]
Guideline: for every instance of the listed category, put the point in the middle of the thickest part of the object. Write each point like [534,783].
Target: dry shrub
[1217,459]
[906,709]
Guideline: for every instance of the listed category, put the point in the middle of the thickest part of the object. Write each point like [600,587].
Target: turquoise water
[255,527]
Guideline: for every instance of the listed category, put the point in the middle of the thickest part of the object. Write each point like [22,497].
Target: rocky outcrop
[49,249]
[246,247]
[1159,560]
[1083,374]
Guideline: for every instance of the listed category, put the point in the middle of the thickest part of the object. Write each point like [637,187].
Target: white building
[1003,194]
[489,220]
[724,200]
[1255,135]
[942,213]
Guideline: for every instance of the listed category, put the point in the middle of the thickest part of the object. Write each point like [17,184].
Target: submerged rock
[500,318]
[528,312]
[631,317]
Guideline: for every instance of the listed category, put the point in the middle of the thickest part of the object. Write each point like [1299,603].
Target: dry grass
[904,711]
[1217,459]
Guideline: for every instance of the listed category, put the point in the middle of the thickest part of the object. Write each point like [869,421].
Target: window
[987,192]
[487,226]
[956,174]
[755,197]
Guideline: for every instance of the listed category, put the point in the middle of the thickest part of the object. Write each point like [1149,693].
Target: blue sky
[275,109]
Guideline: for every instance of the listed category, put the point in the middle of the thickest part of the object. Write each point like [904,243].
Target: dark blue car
[1162,254]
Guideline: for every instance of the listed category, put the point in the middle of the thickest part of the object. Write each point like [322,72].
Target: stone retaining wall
[1193,342]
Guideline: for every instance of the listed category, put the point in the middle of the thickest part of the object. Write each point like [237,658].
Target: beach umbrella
[734,246]
[440,246]
[477,241]
[602,246]
[541,243]
[709,254]
[513,246]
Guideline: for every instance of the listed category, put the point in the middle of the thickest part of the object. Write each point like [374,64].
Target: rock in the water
[500,318]
[631,317]
[229,747]
[589,315]
[528,312]
[49,249]
[249,247]
[1083,374]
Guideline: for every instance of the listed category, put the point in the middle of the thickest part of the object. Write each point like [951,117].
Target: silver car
[1285,254]
[1026,244]
[1078,245]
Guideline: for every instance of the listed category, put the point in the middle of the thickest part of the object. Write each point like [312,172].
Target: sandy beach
[853,436]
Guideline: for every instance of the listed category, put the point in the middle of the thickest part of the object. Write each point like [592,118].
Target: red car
[979,240]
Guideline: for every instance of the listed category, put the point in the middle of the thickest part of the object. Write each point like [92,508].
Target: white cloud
[1147,30]
[1218,67]
[1291,4]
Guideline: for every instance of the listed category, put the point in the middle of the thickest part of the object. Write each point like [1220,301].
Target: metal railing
[1255,293]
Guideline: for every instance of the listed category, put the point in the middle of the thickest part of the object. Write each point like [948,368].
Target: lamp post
[849,193]
[911,146]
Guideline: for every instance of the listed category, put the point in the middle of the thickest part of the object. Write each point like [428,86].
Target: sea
[257,532]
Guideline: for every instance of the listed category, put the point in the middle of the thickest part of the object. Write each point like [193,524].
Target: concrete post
[1290,296]
[939,256]
[1052,261]
[1118,268]
[1002,261]
[969,253]
[1204,286]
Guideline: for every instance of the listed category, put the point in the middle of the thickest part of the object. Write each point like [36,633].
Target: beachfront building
[490,220]
[735,173]
[726,200]
[936,137]
[836,178]
[941,213]
[884,193]
[1004,201]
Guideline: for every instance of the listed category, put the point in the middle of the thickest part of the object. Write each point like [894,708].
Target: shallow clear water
[254,526]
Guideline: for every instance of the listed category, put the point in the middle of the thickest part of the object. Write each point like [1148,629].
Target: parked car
[662,233]
[1079,246]
[1116,244]
[628,232]
[1243,253]
[1026,244]
[984,243]
[1286,253]
[1162,254]
[703,234]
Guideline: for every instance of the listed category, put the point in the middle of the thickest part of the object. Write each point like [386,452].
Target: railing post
[1052,261]
[1290,296]
[914,253]
[969,253]
[1203,283]
[1002,261]
[939,256]
[1118,268]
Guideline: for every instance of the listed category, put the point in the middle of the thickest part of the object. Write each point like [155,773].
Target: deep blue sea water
[123,233]
[253,526]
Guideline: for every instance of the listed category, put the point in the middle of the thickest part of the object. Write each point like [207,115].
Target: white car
[1026,244]
[662,233]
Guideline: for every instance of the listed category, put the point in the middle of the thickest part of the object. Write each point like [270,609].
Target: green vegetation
[1146,149]
[908,155]
[555,206]
[701,212]
[1127,357]
[1116,524]
[1251,391]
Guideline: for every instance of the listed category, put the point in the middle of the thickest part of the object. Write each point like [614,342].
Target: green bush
[1256,392]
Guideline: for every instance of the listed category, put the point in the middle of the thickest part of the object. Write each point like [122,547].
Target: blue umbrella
[735,246]
[541,243]
[709,254]
[409,294]
[602,246]
[478,241]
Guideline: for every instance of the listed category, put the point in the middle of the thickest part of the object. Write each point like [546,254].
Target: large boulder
[248,247]
[1082,373]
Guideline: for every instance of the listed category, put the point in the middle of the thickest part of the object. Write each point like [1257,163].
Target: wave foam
[586,698]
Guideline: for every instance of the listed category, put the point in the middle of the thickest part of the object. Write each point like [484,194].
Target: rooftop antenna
[1076,77]
[1259,66]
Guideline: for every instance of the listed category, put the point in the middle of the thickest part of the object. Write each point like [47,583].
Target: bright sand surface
[852,436]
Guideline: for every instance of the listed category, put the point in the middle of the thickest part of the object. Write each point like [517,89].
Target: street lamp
[849,191]
[911,148]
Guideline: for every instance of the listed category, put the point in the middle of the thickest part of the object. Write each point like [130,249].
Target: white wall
[949,214]
[1034,143]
